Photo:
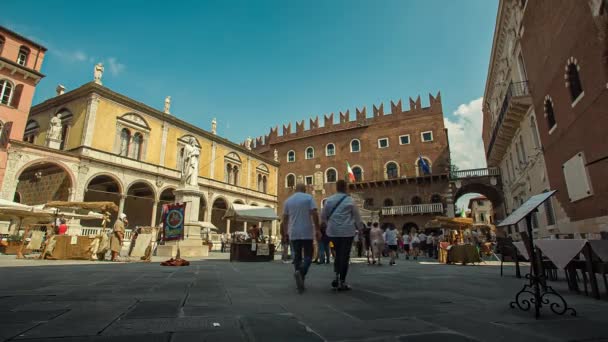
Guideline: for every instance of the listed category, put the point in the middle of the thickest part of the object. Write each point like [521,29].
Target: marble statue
[213,126]
[167,104]
[190,167]
[98,73]
[55,128]
[60,89]
[248,143]
[276,155]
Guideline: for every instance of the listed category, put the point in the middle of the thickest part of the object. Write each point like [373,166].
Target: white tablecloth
[521,248]
[560,252]
[600,248]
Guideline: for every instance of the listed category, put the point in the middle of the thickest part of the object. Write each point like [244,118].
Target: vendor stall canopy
[450,223]
[96,206]
[249,213]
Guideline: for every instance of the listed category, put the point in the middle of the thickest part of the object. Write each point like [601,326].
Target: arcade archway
[43,182]
[166,197]
[491,193]
[102,188]
[139,204]
[218,209]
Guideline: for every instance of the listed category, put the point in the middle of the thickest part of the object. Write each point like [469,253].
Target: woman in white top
[406,245]
[414,246]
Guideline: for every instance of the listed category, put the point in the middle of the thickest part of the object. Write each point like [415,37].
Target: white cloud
[464,131]
[115,67]
[70,56]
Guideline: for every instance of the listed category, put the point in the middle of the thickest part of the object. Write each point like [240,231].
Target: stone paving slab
[413,301]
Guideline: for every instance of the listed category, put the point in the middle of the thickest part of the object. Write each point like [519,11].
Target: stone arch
[218,209]
[238,201]
[135,119]
[17,197]
[139,203]
[102,187]
[254,204]
[44,180]
[491,192]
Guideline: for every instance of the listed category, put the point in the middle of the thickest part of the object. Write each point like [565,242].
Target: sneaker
[344,287]
[299,281]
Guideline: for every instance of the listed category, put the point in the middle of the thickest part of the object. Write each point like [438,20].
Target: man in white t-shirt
[422,238]
[301,224]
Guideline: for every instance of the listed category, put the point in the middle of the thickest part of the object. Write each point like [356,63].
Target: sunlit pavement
[215,300]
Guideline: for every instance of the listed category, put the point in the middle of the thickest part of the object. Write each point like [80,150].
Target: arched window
[291,156]
[228,175]
[420,169]
[235,175]
[264,184]
[416,200]
[392,171]
[436,198]
[138,141]
[23,55]
[388,202]
[310,153]
[549,114]
[573,79]
[358,172]
[259,182]
[331,176]
[125,140]
[290,180]
[330,150]
[6,92]
[355,145]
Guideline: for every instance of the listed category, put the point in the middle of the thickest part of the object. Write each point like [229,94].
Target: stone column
[154,209]
[228,226]
[121,204]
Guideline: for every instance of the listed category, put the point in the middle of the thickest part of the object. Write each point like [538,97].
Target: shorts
[406,247]
[392,247]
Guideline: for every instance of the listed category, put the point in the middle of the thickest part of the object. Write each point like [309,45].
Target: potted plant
[13,244]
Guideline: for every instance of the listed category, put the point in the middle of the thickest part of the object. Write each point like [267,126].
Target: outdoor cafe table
[561,252]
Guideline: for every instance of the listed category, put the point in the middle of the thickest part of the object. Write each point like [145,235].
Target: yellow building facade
[95,144]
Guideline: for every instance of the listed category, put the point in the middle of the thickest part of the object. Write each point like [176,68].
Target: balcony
[415,209]
[475,173]
[514,108]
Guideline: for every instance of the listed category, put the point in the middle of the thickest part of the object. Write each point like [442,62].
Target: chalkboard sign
[525,209]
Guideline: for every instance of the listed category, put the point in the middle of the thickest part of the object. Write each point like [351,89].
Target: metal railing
[514,90]
[473,173]
[413,209]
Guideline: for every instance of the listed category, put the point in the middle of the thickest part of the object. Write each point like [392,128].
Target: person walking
[415,245]
[406,244]
[422,238]
[391,242]
[323,244]
[300,224]
[367,242]
[377,238]
[341,217]
[118,234]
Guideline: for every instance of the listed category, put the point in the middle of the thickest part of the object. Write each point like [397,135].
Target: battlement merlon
[416,108]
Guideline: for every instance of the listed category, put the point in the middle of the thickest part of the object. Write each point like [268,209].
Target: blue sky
[256,64]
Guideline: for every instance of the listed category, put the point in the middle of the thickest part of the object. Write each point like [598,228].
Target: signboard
[263,249]
[173,221]
[525,209]
[5,134]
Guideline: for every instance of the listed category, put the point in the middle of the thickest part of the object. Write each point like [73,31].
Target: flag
[351,175]
[424,165]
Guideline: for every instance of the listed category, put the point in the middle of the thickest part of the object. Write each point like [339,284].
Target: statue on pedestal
[98,73]
[213,126]
[190,167]
[248,143]
[54,132]
[167,104]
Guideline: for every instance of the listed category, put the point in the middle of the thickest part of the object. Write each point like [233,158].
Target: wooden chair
[508,252]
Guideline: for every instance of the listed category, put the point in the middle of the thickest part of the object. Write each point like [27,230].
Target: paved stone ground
[215,300]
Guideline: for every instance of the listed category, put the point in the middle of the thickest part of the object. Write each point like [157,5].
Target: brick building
[384,152]
[565,50]
[20,62]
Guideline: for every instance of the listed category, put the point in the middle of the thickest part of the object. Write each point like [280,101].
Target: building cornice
[91,87]
[27,72]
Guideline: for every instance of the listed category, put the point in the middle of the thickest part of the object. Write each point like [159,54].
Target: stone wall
[54,185]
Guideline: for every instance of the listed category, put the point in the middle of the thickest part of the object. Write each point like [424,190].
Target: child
[377,241]
[391,241]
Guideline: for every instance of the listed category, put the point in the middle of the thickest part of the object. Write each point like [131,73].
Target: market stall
[251,247]
[458,247]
